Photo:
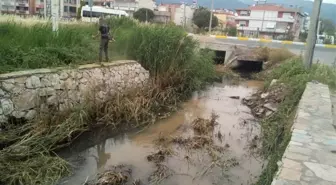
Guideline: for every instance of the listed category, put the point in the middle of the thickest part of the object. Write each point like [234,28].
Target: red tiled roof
[269,7]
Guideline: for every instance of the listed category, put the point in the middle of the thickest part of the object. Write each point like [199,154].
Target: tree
[303,36]
[328,27]
[201,18]
[143,15]
[232,31]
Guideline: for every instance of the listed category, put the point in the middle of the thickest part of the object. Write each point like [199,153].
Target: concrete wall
[24,93]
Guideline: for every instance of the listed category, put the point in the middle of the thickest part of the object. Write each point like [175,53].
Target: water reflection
[102,157]
[236,129]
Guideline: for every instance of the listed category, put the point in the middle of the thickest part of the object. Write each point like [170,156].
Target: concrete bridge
[325,54]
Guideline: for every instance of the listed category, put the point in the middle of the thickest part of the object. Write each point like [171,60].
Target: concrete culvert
[246,66]
[220,57]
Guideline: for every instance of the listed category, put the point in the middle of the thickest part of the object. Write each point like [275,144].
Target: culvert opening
[219,57]
[246,67]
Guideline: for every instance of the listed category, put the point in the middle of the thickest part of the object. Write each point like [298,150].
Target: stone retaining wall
[24,93]
[310,158]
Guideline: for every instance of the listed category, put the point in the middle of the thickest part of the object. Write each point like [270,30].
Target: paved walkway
[310,158]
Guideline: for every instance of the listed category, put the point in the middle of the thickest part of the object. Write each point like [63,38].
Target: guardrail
[287,42]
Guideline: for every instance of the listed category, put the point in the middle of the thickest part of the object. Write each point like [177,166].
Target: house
[269,21]
[226,18]
[181,14]
[162,17]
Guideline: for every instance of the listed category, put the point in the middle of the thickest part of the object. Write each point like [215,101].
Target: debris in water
[159,156]
[264,103]
[116,175]
[161,173]
[162,140]
[204,126]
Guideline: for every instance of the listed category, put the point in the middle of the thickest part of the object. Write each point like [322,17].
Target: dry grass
[58,129]
[279,55]
[35,20]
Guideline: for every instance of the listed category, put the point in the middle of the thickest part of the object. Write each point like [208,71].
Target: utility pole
[146,16]
[90,4]
[312,34]
[55,14]
[263,16]
[210,24]
[184,16]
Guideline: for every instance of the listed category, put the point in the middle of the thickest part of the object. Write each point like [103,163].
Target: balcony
[289,20]
[22,3]
[6,3]
[274,30]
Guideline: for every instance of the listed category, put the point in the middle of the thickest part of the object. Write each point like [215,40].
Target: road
[323,55]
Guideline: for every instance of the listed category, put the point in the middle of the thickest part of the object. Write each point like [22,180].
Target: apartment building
[38,7]
[269,21]
[21,7]
[181,14]
[226,18]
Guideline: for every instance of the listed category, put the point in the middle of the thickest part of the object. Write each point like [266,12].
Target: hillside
[328,10]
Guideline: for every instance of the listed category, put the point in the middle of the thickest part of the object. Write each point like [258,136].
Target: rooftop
[270,7]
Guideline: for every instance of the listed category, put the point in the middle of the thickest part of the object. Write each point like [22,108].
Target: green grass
[32,46]
[276,130]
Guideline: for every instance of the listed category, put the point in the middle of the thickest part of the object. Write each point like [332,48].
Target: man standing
[104,31]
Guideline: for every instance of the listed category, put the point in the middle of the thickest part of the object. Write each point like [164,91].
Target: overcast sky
[329,1]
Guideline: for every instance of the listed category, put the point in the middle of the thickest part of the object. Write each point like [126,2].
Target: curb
[285,42]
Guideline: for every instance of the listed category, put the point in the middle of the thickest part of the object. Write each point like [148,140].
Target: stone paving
[310,158]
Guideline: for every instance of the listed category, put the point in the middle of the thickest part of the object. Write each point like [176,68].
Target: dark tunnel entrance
[246,68]
[219,57]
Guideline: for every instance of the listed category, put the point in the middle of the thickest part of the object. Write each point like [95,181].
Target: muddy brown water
[237,126]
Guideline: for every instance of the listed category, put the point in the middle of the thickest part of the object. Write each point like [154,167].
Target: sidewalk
[310,158]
